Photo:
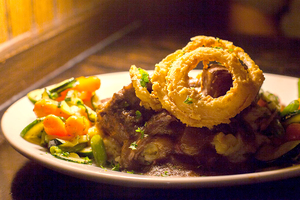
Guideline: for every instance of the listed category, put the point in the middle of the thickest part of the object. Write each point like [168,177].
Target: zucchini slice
[33,131]
[68,144]
[72,157]
[71,149]
[87,151]
[65,107]
[92,115]
[96,101]
[35,95]
[291,118]
[44,137]
[62,86]
[72,97]
[51,92]
[76,148]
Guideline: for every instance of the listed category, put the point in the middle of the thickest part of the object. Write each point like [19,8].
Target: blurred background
[37,37]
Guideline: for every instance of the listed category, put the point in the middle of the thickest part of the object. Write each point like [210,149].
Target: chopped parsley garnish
[116,167]
[218,39]
[188,100]
[138,114]
[218,47]
[171,65]
[145,77]
[230,49]
[133,145]
[165,174]
[126,104]
[139,130]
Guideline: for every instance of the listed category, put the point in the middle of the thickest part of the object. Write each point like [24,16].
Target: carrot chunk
[76,125]
[54,126]
[45,107]
[89,84]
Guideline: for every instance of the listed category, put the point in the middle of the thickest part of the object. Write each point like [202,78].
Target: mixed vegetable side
[283,130]
[66,122]
[66,119]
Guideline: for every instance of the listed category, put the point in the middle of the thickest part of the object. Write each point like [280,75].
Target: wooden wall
[39,36]
[22,21]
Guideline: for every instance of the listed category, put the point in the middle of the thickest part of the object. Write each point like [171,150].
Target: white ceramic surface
[20,114]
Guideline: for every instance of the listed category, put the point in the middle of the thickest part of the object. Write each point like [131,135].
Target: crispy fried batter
[171,90]
[170,82]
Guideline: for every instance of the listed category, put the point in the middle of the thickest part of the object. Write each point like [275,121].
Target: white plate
[20,114]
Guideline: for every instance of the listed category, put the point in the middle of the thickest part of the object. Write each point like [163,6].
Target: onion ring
[170,83]
[205,41]
[141,92]
[205,111]
[160,73]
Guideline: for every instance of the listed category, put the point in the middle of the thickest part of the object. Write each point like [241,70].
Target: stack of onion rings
[171,86]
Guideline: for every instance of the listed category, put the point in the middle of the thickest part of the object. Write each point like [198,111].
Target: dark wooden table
[25,179]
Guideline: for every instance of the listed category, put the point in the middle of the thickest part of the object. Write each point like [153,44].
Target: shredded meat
[216,80]
[163,123]
[118,117]
[162,139]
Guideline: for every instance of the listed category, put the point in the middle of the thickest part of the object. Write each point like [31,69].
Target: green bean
[98,149]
